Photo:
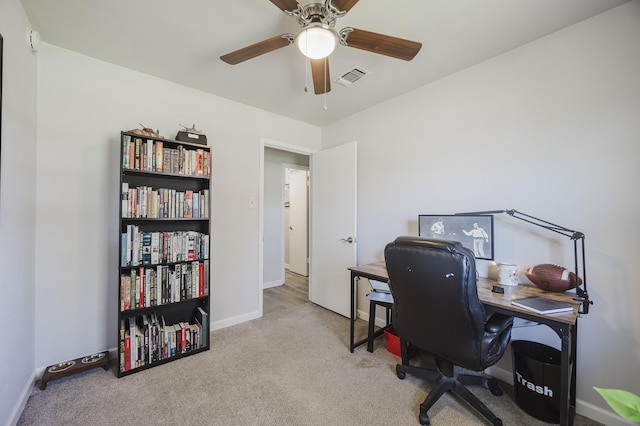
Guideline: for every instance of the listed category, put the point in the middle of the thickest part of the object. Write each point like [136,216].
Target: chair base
[455,383]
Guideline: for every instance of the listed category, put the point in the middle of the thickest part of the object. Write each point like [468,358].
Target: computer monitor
[474,232]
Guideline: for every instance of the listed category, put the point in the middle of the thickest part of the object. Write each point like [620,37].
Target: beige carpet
[288,368]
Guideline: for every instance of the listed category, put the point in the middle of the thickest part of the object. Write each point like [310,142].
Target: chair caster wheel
[424,419]
[401,374]
[494,388]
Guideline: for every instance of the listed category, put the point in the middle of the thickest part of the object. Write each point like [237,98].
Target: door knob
[348,240]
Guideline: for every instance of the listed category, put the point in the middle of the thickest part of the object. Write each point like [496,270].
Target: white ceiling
[182,41]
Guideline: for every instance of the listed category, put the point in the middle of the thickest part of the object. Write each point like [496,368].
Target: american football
[552,277]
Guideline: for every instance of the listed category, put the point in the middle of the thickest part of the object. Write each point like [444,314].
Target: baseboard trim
[600,415]
[22,400]
[271,284]
[380,322]
[216,325]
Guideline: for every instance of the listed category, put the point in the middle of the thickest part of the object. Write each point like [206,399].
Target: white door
[298,222]
[333,226]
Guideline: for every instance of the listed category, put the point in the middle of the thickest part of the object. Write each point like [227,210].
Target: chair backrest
[436,305]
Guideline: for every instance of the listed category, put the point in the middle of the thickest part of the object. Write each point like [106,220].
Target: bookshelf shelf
[163,286]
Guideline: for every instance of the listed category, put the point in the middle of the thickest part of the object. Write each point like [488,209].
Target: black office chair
[436,308]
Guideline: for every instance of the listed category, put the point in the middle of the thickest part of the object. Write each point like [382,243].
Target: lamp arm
[575,236]
[545,224]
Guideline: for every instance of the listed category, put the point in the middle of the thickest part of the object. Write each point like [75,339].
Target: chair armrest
[497,323]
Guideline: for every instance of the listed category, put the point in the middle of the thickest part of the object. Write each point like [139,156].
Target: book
[206,277]
[200,279]
[152,207]
[166,160]
[131,155]
[146,248]
[150,156]
[141,288]
[195,288]
[136,163]
[196,205]
[200,162]
[132,289]
[188,207]
[155,248]
[172,339]
[542,305]
[122,346]
[125,200]
[127,351]
[203,319]
[191,245]
[166,339]
[159,156]
[125,292]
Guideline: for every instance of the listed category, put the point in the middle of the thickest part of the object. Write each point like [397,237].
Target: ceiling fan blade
[383,44]
[257,49]
[344,5]
[321,77]
[284,5]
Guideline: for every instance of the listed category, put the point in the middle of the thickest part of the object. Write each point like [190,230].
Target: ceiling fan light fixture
[317,41]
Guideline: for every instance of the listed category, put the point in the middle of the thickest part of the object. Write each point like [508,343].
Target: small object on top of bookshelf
[164,305]
[191,134]
[542,305]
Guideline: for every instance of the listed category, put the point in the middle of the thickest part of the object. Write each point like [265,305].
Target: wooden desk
[564,324]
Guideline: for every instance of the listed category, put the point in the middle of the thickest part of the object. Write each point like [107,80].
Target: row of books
[152,155]
[147,339]
[153,248]
[145,287]
[163,203]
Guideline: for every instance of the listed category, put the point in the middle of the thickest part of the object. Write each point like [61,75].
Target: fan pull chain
[307,64]
[325,107]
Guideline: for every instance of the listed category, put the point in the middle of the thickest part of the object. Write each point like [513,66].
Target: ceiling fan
[317,39]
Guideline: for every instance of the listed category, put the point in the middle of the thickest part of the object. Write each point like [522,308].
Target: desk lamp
[582,293]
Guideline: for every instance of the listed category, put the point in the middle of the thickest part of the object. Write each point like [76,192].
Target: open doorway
[285,277]
[333,236]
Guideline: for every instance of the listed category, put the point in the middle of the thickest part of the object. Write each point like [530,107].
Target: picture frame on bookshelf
[474,232]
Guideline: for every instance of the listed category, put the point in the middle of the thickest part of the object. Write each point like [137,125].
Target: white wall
[17,212]
[83,104]
[273,270]
[551,129]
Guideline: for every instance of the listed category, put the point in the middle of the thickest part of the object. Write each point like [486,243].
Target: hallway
[294,291]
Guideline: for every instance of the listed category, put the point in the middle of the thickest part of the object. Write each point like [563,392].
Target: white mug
[507,274]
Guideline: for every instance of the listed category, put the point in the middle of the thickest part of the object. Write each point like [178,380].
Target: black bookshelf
[164,256]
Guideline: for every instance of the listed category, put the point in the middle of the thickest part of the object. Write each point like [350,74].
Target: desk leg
[574,363]
[353,310]
[568,375]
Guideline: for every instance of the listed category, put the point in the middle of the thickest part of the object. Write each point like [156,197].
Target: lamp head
[317,41]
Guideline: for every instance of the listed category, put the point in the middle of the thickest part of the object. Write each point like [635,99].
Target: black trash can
[536,379]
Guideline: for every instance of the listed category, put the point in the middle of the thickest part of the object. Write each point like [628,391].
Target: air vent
[352,75]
